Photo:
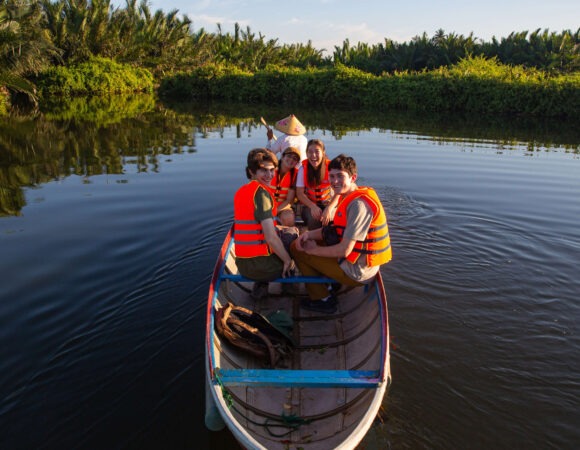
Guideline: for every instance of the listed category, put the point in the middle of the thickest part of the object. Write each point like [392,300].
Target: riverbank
[474,85]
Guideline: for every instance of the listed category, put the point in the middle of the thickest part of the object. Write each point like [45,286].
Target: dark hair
[256,159]
[344,163]
[316,175]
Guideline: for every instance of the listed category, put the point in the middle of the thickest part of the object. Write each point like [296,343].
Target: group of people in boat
[346,237]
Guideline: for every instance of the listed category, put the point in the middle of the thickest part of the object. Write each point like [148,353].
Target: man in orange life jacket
[361,243]
[260,254]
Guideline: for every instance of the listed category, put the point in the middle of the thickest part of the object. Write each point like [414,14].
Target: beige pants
[311,265]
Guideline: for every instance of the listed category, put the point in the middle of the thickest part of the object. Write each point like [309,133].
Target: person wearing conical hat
[293,136]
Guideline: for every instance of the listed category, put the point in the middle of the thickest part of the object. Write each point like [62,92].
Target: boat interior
[321,391]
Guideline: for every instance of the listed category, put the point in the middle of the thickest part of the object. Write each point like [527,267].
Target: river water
[110,223]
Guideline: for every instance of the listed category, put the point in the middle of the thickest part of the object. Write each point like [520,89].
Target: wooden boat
[326,394]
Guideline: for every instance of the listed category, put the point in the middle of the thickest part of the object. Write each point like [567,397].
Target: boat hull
[326,393]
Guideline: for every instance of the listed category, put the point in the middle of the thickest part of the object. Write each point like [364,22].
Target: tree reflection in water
[94,136]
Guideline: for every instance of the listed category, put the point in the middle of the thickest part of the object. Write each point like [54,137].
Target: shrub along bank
[4,101]
[97,76]
[476,85]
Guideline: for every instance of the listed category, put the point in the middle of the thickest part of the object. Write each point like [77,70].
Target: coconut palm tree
[25,47]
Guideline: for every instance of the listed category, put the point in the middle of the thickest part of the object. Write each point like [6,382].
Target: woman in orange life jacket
[313,186]
[283,184]
[260,254]
[361,243]
[283,189]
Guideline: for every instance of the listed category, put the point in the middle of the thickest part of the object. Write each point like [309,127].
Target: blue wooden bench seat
[294,279]
[299,378]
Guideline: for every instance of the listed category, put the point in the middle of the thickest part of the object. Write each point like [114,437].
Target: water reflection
[103,307]
[86,137]
[92,136]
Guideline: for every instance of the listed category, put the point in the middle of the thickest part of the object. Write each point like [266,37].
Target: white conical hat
[290,125]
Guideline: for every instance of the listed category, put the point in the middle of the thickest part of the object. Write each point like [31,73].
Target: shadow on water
[93,136]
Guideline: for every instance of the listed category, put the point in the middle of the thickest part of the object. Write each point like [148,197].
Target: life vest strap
[380,227]
[371,252]
[259,242]
[238,232]
[366,241]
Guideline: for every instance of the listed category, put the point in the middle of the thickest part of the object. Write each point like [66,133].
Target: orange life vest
[279,186]
[377,243]
[317,193]
[249,236]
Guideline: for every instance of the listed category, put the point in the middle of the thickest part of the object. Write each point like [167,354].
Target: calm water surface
[108,242]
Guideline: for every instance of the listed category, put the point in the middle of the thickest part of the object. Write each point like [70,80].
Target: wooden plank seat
[299,378]
[293,279]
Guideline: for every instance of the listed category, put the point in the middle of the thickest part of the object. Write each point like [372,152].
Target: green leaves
[25,49]
[97,76]
[475,84]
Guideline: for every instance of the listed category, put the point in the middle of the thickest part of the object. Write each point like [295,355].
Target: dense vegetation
[474,85]
[94,77]
[37,36]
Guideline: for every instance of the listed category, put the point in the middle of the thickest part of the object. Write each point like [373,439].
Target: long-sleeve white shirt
[285,141]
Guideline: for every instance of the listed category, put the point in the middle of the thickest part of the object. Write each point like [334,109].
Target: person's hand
[316,212]
[301,241]
[289,268]
[326,216]
[309,245]
[270,134]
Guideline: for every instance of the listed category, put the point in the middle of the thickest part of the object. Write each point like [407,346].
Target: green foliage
[4,101]
[198,84]
[25,48]
[475,84]
[38,34]
[338,85]
[550,51]
[97,76]
[483,86]
[486,86]
[163,42]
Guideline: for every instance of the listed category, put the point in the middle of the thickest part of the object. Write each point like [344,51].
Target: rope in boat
[225,393]
[292,422]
